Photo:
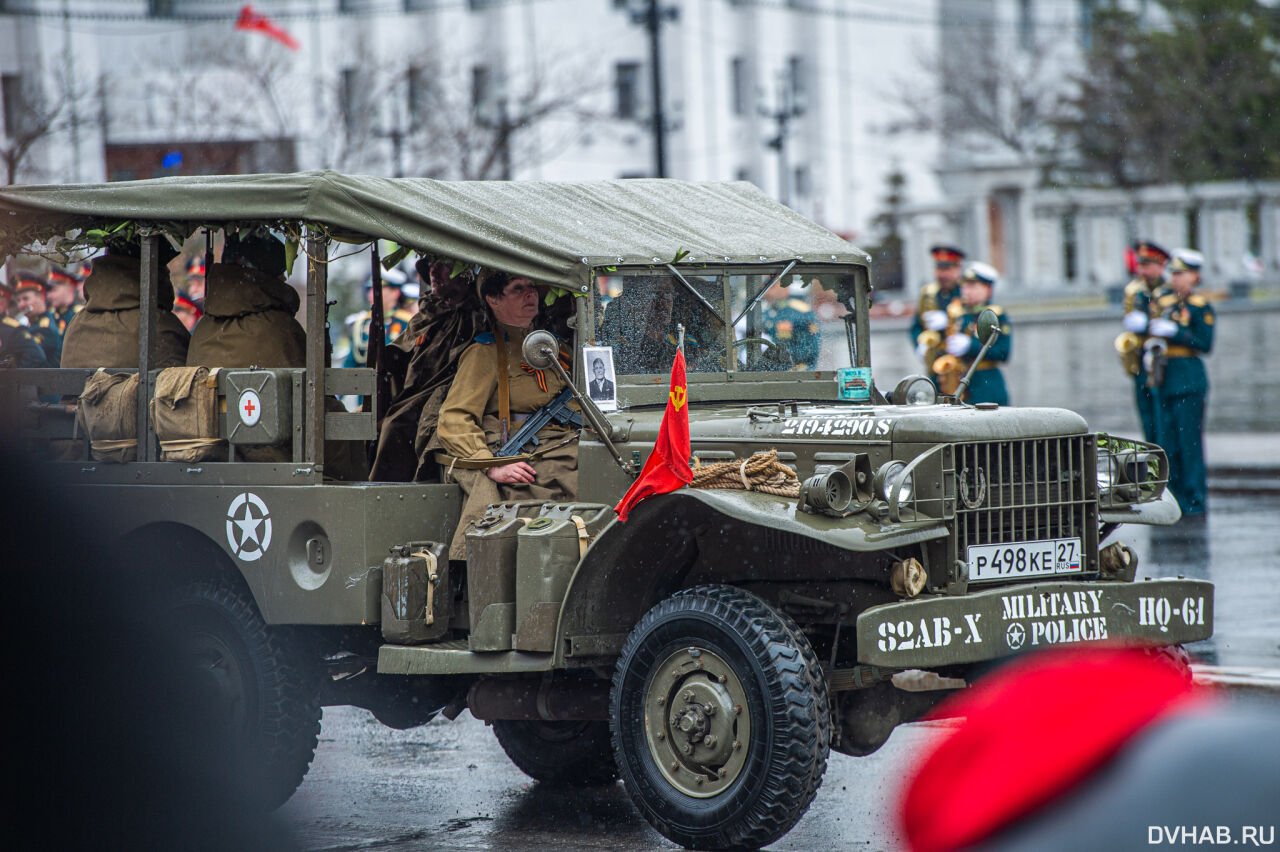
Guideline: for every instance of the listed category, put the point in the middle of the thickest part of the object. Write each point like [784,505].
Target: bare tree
[983,93]
[449,119]
[34,112]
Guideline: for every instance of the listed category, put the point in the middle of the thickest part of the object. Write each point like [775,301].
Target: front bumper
[941,630]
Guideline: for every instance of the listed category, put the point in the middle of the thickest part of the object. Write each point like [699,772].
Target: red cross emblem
[249,407]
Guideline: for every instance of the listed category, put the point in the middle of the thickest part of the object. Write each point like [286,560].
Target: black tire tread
[290,709]
[804,711]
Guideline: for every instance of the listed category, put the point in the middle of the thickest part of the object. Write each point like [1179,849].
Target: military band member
[17,347]
[1140,297]
[63,296]
[929,326]
[1180,333]
[34,313]
[354,348]
[987,384]
[789,319]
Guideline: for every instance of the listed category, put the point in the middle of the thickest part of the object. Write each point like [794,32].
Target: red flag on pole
[253,21]
[667,467]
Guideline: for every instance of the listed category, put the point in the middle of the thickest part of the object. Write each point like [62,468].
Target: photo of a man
[601,387]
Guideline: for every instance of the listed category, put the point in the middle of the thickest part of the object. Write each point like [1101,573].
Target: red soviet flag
[667,467]
[255,21]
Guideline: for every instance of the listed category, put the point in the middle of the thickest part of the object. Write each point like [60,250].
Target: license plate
[1024,559]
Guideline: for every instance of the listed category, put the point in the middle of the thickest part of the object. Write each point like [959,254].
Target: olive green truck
[720,642]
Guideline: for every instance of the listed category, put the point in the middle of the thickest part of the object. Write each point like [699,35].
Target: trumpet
[946,367]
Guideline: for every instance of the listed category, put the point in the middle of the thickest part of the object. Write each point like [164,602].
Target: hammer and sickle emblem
[980,481]
[678,396]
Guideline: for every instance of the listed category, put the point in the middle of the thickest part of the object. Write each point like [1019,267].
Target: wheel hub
[697,731]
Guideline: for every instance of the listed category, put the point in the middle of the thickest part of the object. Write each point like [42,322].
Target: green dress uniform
[44,328]
[17,347]
[1181,397]
[1142,297]
[62,318]
[791,322]
[933,297]
[353,350]
[987,384]
[469,429]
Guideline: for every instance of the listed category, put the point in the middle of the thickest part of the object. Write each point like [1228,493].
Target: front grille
[1028,490]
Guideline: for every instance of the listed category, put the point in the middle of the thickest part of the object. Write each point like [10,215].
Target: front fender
[1161,513]
[747,535]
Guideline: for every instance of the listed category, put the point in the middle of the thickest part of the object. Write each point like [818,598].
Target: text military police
[1179,334]
[929,326]
[1140,297]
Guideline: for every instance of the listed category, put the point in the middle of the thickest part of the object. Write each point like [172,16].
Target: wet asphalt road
[448,785]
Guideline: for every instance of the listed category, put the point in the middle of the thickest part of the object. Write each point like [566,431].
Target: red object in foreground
[667,467]
[254,21]
[1031,733]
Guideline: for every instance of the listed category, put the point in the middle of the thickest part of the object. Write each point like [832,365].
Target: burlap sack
[184,415]
[248,322]
[108,414]
[105,333]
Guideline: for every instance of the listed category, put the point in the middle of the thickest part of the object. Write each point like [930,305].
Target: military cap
[948,255]
[982,273]
[392,277]
[1186,259]
[195,266]
[29,281]
[61,273]
[5,287]
[266,254]
[1148,250]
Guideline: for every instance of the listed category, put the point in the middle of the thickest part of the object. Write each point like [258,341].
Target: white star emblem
[244,517]
[1015,635]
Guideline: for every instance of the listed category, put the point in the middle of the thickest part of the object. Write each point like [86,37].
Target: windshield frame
[639,389]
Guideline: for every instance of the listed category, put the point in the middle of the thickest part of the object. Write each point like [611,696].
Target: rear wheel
[571,754]
[721,719]
[253,684]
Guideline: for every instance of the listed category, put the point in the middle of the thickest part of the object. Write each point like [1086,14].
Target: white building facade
[789,94]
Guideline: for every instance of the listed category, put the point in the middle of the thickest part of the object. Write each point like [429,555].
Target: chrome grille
[1027,490]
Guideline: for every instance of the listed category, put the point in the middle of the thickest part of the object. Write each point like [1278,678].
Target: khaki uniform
[469,430]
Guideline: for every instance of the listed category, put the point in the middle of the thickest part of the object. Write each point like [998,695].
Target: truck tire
[254,684]
[569,754]
[721,719]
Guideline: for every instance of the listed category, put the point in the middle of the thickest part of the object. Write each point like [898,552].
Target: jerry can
[549,549]
[491,574]
[416,598]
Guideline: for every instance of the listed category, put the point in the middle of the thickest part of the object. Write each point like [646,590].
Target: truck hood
[937,423]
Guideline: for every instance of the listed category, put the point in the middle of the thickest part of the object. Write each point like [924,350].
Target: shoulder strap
[504,391]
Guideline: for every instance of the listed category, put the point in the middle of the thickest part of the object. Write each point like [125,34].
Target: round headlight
[914,390]
[890,476]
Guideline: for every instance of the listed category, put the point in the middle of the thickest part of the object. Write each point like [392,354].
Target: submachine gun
[557,410]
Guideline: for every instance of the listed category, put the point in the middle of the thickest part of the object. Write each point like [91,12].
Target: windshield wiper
[701,299]
[765,289]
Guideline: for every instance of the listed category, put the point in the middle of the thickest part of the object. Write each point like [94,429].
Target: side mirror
[540,349]
[987,323]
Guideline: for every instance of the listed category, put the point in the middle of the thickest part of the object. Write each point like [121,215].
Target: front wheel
[721,719]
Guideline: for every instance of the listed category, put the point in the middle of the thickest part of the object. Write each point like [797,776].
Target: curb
[1238,678]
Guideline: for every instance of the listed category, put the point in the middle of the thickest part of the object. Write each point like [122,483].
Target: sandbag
[248,322]
[108,415]
[184,415]
[105,332]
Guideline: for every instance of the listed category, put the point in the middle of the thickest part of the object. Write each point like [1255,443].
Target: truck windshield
[794,325]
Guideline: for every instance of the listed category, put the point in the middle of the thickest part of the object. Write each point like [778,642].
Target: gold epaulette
[10,321]
[1197,300]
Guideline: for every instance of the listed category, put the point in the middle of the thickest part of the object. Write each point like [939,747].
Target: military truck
[715,647]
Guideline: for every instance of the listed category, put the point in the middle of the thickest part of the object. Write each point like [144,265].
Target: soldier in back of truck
[1140,296]
[491,395]
[928,326]
[1179,334]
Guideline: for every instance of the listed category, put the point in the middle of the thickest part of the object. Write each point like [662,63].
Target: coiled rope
[762,472]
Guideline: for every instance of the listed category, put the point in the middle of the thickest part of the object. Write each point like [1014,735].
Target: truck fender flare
[631,566]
